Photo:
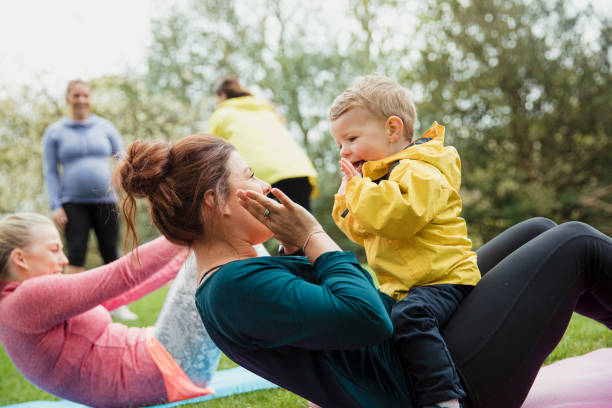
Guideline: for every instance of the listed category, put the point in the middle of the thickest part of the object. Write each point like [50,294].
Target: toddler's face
[361,137]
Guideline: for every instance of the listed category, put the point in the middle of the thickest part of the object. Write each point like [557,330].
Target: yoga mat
[576,382]
[235,380]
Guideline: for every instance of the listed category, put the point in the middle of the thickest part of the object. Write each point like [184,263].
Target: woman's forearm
[317,244]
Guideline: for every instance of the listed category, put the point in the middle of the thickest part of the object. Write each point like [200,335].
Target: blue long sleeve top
[76,162]
[321,331]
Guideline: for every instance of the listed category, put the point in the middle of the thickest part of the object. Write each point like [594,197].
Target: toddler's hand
[347,168]
[349,171]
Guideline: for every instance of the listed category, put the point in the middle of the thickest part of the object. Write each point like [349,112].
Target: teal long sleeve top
[321,331]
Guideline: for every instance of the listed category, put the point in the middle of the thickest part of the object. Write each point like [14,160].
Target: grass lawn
[582,336]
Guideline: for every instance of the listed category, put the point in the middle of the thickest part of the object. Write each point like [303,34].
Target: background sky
[53,41]
[49,42]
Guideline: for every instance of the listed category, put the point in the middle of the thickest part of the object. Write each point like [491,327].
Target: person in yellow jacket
[400,200]
[259,134]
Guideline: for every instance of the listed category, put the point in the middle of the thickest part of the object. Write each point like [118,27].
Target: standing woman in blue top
[76,166]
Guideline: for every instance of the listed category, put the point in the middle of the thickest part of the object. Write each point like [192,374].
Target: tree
[24,120]
[525,96]
[523,88]
[299,55]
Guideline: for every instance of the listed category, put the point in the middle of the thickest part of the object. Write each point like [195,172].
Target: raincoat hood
[444,158]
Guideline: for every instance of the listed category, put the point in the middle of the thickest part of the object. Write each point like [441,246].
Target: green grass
[583,335]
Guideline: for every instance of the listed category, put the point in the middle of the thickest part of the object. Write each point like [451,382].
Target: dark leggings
[536,274]
[103,218]
[297,189]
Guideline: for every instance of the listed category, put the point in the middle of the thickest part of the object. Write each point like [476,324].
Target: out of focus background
[522,86]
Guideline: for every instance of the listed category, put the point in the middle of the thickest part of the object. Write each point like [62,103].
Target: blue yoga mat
[225,382]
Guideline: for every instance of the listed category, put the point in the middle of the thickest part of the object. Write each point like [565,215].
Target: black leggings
[103,218]
[297,189]
[536,274]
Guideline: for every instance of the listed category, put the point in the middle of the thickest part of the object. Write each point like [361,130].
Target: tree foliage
[299,55]
[525,96]
[23,121]
[523,88]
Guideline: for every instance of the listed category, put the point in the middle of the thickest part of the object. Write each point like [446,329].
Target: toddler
[399,199]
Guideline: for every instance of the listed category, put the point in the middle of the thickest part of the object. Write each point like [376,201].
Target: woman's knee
[541,223]
[576,228]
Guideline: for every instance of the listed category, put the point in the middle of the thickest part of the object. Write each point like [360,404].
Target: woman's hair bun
[144,167]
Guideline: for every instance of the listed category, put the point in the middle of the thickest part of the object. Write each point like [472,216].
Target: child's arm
[340,215]
[399,207]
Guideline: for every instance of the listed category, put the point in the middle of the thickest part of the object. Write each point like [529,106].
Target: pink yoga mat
[577,382]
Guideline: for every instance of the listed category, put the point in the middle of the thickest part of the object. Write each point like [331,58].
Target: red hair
[173,179]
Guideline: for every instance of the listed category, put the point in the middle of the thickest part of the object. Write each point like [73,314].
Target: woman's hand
[60,218]
[291,223]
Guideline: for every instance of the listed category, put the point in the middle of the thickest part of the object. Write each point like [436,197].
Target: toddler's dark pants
[417,320]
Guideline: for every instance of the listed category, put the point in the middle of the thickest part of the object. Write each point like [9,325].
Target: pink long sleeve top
[58,332]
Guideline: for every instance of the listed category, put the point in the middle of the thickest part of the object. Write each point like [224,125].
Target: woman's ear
[211,202]
[395,128]
[210,199]
[17,257]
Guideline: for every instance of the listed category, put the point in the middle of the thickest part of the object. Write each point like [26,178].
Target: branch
[594,199]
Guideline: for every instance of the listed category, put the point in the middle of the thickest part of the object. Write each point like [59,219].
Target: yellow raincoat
[259,135]
[409,224]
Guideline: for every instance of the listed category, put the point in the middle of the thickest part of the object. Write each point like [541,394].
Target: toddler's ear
[395,128]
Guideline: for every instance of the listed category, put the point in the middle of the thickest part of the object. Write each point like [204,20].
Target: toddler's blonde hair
[380,95]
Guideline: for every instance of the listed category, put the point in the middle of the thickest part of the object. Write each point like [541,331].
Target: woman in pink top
[58,332]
